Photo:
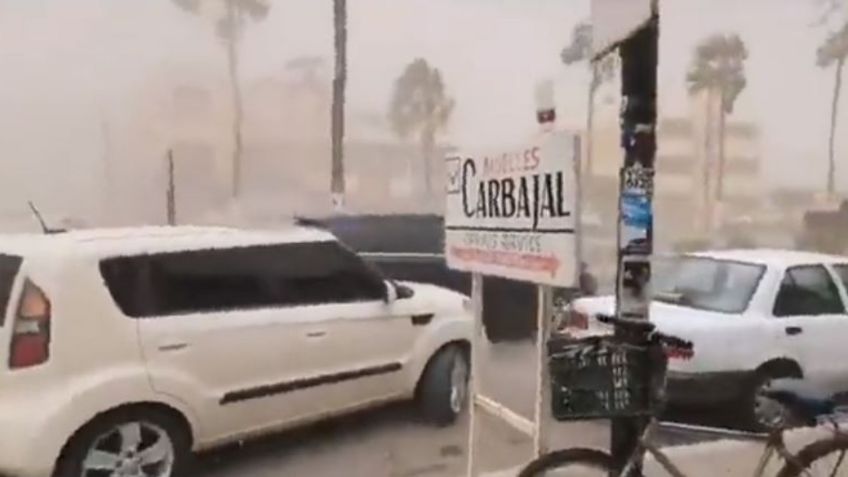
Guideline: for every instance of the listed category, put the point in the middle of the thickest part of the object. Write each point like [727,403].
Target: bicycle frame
[775,445]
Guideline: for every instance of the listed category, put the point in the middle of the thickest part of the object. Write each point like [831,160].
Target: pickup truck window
[705,283]
[808,291]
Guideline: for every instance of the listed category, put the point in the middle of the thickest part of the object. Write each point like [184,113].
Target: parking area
[393,442]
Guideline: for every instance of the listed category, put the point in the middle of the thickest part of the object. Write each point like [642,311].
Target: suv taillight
[30,344]
[572,319]
[577,319]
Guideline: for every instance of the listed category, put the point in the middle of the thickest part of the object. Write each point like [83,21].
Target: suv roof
[140,240]
[763,256]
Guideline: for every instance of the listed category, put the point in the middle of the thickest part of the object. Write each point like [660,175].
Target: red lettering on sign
[521,261]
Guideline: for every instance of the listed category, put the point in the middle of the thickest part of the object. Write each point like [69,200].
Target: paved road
[391,442]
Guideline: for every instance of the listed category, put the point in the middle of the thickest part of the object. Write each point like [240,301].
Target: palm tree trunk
[238,107]
[337,182]
[834,117]
[428,140]
[722,119]
[590,119]
[171,191]
[707,193]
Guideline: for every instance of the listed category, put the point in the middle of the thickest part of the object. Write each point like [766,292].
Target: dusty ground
[390,442]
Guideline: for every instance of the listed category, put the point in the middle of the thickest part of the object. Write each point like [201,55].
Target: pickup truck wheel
[443,388]
[761,414]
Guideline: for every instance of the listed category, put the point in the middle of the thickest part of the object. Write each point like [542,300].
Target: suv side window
[808,291]
[842,273]
[239,278]
[312,274]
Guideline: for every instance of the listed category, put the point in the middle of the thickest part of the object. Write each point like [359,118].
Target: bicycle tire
[817,451]
[559,460]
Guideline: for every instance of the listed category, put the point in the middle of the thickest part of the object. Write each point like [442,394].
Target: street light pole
[639,58]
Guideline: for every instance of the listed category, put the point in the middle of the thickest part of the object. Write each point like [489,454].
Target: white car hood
[434,299]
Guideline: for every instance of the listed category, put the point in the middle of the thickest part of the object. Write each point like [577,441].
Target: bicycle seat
[806,408]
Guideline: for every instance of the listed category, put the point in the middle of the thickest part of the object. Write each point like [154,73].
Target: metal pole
[337,182]
[639,56]
[542,411]
[579,242]
[234,24]
[474,385]
[108,175]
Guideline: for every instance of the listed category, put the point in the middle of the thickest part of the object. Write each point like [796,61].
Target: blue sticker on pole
[636,219]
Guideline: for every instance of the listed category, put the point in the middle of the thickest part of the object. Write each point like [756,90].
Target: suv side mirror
[391,292]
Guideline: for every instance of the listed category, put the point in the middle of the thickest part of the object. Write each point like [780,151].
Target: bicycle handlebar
[673,341]
[649,329]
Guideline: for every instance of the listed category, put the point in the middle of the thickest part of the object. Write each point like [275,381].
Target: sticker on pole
[511,213]
[614,21]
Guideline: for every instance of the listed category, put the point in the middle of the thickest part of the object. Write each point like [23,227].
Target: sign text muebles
[512,213]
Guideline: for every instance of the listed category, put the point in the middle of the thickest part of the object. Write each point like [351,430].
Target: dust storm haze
[93,93]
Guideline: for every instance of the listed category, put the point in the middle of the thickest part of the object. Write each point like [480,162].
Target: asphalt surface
[392,442]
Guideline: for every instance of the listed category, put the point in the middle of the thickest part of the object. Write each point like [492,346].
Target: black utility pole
[639,58]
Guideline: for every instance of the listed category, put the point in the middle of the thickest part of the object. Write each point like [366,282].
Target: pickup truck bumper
[707,389]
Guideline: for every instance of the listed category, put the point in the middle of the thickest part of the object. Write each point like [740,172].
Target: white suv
[122,351]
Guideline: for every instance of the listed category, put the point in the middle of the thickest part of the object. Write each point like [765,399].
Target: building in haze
[686,177]
[187,109]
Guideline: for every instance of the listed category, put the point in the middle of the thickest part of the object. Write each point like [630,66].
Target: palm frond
[256,9]
[719,65]
[192,6]
[834,48]
[419,101]
[580,48]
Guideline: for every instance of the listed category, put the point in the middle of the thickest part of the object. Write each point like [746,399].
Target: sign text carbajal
[510,186]
[510,213]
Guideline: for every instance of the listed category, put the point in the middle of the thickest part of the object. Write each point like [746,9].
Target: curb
[725,456]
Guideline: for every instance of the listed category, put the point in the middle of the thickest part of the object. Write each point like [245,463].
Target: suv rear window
[9,266]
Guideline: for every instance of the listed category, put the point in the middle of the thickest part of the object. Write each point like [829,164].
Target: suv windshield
[706,283]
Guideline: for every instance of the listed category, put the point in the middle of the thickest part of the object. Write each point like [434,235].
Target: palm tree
[834,52]
[579,50]
[337,182]
[229,29]
[718,68]
[421,106]
[830,9]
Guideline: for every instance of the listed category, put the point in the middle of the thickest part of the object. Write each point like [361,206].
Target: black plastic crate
[598,378]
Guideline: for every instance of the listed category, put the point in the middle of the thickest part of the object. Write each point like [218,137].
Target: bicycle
[581,359]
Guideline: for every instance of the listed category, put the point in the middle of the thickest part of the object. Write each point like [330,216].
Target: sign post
[633,27]
[513,214]
[477,311]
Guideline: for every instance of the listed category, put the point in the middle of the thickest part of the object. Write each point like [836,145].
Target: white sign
[511,213]
[614,21]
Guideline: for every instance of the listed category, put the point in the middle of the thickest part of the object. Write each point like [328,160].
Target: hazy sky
[62,61]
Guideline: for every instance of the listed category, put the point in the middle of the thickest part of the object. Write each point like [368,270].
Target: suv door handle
[316,334]
[172,346]
[794,330]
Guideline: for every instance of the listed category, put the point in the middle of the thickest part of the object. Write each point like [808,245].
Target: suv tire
[127,439]
[443,389]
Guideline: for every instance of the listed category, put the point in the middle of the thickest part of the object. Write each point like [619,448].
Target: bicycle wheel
[823,458]
[570,463]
